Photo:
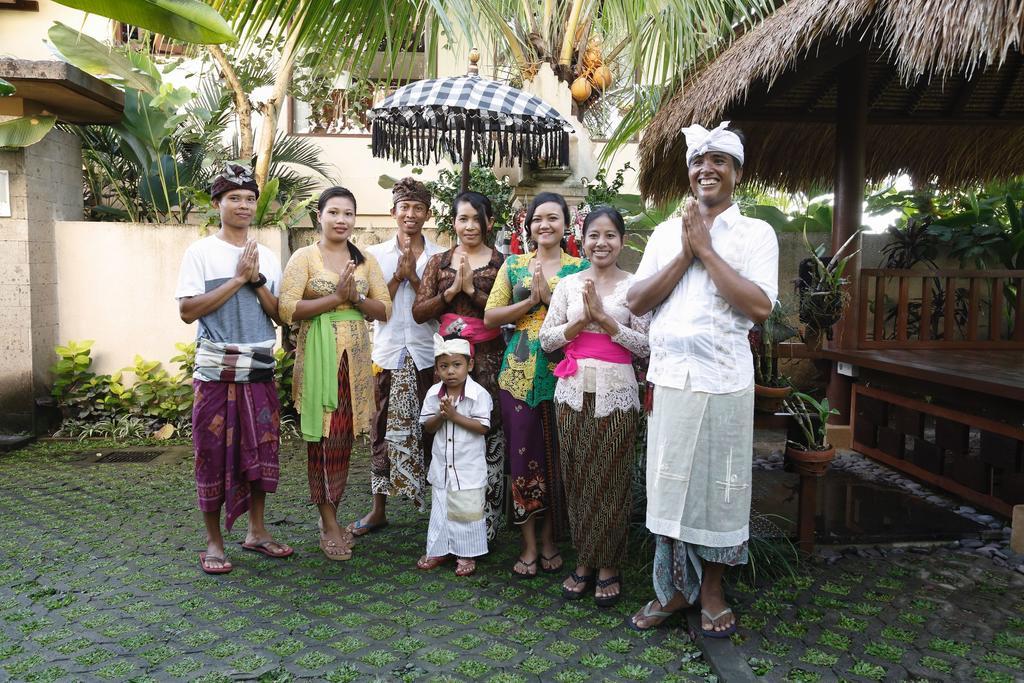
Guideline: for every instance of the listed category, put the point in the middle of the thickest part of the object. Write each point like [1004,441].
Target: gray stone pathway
[99,581]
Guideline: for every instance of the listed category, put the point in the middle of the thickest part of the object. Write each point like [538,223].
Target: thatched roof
[945,95]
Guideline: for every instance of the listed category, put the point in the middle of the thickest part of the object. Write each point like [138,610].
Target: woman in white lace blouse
[598,404]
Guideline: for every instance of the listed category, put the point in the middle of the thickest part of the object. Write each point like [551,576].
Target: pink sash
[591,345]
[471,329]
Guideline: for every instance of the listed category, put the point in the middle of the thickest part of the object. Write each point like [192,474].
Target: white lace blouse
[613,384]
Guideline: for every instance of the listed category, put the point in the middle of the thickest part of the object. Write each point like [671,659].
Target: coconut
[581,89]
[602,77]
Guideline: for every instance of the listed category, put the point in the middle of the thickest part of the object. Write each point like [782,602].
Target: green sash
[320,372]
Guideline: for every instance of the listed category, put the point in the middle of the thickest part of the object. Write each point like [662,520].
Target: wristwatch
[259,283]
[361,299]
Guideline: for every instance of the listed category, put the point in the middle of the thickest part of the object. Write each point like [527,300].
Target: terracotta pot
[810,463]
[769,399]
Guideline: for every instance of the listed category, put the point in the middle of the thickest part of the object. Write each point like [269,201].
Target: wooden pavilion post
[851,132]
[851,140]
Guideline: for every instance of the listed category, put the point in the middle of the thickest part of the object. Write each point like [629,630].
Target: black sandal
[587,581]
[549,560]
[609,600]
[526,565]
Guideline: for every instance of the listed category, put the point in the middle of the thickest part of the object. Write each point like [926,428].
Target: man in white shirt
[708,277]
[403,362]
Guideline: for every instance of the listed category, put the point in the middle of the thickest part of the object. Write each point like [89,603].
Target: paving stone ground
[99,580]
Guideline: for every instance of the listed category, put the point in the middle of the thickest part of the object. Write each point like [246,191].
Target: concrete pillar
[1017,535]
[45,186]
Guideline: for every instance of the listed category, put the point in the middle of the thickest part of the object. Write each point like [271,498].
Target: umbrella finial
[474,57]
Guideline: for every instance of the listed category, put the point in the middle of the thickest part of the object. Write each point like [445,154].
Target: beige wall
[22,33]
[117,283]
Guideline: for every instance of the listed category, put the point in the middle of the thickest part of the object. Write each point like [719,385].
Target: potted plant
[807,446]
[822,289]
[770,387]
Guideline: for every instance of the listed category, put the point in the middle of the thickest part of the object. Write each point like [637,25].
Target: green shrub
[110,406]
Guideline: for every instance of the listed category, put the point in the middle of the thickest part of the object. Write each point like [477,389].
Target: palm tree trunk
[243,108]
[282,79]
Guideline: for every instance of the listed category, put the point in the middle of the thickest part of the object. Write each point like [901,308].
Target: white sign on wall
[5,194]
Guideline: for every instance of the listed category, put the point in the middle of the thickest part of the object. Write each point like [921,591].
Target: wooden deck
[992,372]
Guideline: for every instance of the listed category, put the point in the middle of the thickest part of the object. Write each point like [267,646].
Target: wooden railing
[941,309]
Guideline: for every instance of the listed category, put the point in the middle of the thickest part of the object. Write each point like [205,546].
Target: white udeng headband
[700,140]
[445,347]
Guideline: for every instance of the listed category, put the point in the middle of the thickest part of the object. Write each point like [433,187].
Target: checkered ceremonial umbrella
[465,116]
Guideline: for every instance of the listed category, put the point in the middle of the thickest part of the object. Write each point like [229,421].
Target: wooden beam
[916,95]
[21,5]
[1009,78]
[963,96]
[876,118]
[881,85]
[851,141]
[811,103]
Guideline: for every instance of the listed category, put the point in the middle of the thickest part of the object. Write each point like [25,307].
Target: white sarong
[699,452]
[448,537]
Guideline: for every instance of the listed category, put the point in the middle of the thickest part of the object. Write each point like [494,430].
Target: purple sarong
[236,436]
[531,437]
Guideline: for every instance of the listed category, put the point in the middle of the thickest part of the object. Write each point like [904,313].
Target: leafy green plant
[447,187]
[602,191]
[811,417]
[823,295]
[78,391]
[764,343]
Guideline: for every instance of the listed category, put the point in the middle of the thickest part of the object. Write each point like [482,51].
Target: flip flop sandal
[427,563]
[648,613]
[549,560]
[465,567]
[265,547]
[334,551]
[608,600]
[224,568]
[525,564]
[712,633]
[359,529]
[570,594]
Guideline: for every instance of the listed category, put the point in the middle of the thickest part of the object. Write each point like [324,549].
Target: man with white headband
[457,411]
[709,277]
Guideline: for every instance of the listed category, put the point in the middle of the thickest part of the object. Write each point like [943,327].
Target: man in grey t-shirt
[229,283]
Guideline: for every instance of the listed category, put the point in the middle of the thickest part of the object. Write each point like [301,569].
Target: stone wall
[28,269]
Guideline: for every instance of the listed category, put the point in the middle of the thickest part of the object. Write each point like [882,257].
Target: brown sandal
[465,566]
[335,551]
[426,563]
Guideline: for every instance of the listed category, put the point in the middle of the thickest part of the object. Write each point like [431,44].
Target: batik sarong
[679,566]
[598,457]
[327,460]
[236,437]
[399,463]
[535,470]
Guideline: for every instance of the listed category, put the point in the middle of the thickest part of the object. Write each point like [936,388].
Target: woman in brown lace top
[454,291]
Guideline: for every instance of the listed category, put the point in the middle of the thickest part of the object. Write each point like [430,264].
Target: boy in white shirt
[457,411]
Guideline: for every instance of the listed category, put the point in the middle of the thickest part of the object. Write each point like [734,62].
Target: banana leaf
[189,21]
[93,57]
[6,88]
[28,130]
[268,195]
